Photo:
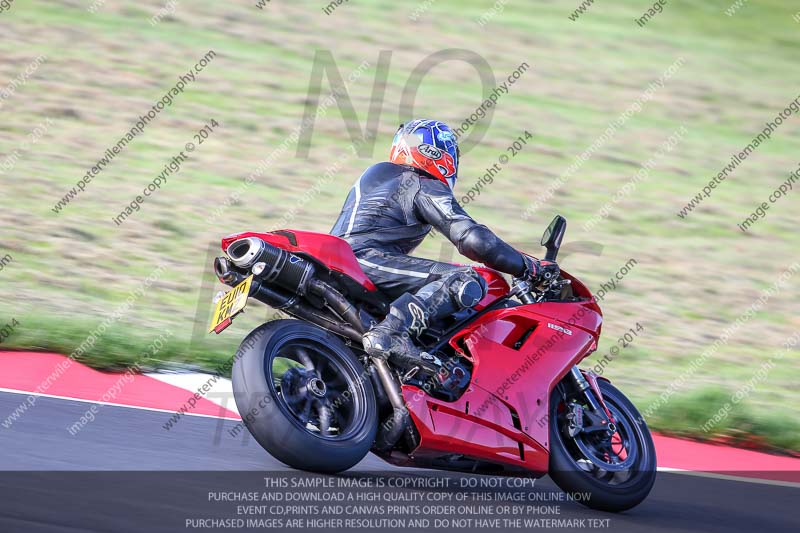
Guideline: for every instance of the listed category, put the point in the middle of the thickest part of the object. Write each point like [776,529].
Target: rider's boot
[393,338]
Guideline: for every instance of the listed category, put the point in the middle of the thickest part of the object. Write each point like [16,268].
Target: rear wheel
[304,396]
[616,468]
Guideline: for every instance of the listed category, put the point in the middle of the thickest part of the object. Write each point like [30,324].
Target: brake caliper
[583,420]
[574,419]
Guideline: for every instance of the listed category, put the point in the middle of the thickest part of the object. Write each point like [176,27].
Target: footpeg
[430,358]
[410,374]
[409,361]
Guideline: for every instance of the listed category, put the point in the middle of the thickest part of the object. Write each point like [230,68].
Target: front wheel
[615,470]
[304,396]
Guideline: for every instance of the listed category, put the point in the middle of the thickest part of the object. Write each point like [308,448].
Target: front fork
[599,417]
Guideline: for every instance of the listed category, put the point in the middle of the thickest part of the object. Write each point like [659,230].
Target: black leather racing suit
[388,213]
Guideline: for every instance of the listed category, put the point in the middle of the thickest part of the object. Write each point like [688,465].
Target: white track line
[112,404]
[726,477]
[220,391]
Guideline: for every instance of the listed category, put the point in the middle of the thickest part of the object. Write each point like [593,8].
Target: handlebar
[529,294]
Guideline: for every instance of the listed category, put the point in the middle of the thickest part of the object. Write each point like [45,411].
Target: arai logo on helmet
[429,151]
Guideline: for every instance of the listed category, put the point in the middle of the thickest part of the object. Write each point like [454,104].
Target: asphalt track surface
[56,482]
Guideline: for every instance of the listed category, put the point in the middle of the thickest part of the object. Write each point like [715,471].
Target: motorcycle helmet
[429,145]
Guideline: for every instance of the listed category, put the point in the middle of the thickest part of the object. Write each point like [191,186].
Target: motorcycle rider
[387,214]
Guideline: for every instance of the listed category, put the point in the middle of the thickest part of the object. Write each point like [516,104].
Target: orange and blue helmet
[429,145]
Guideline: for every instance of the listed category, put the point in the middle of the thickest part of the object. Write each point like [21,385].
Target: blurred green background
[106,64]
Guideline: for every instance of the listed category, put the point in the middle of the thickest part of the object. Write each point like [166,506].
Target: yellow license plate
[230,305]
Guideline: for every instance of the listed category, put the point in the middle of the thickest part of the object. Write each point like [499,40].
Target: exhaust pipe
[395,425]
[223,270]
[245,252]
[271,264]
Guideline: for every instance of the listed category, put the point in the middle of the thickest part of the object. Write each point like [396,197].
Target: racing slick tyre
[615,471]
[304,396]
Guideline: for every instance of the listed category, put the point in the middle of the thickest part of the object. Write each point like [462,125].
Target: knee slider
[466,288]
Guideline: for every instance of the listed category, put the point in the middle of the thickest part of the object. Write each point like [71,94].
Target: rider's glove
[548,270]
[538,271]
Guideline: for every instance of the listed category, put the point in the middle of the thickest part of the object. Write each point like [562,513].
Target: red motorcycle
[508,398]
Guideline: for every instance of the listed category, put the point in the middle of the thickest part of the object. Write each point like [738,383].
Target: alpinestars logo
[559,328]
[419,322]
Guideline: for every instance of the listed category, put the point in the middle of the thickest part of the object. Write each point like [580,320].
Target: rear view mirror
[551,239]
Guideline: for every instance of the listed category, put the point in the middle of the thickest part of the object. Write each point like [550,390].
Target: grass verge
[711,414]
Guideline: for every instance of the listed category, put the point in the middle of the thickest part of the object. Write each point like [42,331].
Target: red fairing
[330,250]
[503,416]
[463,427]
[582,291]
